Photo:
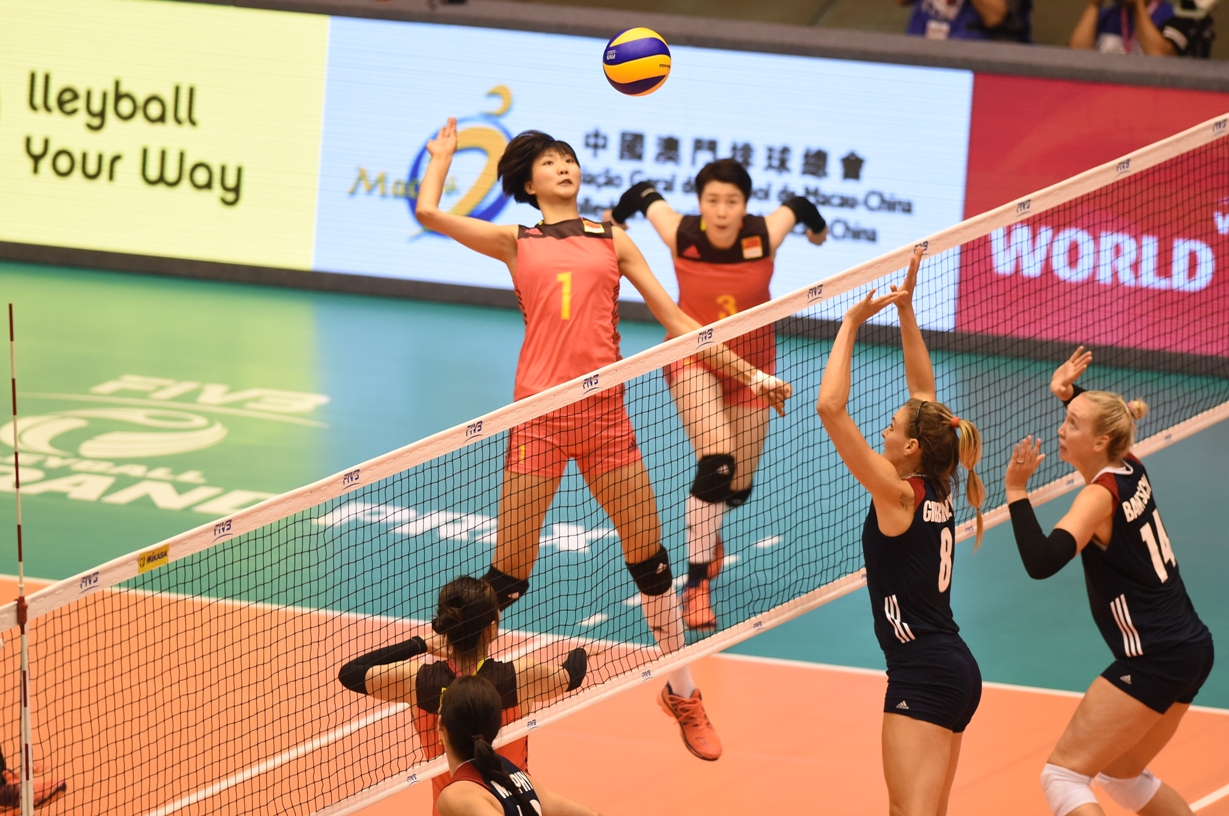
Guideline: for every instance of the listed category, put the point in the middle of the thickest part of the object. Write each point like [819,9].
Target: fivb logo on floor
[103,454]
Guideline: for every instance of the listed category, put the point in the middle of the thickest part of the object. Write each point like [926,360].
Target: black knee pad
[713,477]
[507,589]
[652,575]
[738,498]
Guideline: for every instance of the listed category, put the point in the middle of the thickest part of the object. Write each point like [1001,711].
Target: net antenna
[27,750]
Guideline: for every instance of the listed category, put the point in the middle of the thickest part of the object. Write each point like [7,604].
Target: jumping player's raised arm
[793,211]
[676,322]
[388,673]
[496,241]
[893,497]
[541,682]
[919,374]
[643,197]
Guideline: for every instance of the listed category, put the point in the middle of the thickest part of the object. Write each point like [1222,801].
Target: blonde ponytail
[970,455]
[1115,418]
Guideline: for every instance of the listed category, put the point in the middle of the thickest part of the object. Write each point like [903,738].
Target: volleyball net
[199,676]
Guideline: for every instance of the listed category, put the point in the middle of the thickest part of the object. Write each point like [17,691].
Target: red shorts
[596,432]
[759,348]
[733,392]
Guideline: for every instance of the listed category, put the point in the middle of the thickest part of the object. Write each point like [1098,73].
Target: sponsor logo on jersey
[1136,505]
[533,231]
[152,559]
[691,252]
[902,705]
[753,248]
[596,229]
[1126,678]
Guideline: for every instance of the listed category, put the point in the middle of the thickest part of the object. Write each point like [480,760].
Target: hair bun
[1138,409]
[446,620]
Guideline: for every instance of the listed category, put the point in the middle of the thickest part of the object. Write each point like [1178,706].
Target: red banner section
[1142,263]
[1026,134]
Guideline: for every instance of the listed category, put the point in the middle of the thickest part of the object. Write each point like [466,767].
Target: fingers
[915,262]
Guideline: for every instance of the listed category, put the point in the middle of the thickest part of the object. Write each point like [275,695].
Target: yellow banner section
[152,559]
[158,128]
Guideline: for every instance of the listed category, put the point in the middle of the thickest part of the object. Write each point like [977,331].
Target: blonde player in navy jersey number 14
[908,543]
[1163,652]
[566,272]
[723,259]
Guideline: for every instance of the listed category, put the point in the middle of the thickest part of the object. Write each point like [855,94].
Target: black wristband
[575,665]
[807,213]
[353,675]
[1075,392]
[636,200]
[1042,555]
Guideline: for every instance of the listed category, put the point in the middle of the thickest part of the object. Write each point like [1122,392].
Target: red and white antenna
[27,748]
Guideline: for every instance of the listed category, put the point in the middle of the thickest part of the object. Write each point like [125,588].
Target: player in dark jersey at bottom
[483,783]
[1163,652]
[908,543]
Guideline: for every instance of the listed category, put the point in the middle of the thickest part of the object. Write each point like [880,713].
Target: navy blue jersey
[468,773]
[909,576]
[1137,596]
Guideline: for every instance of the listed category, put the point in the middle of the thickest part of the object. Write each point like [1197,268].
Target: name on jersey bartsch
[1134,506]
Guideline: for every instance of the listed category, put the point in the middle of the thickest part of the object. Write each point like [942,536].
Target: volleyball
[636,62]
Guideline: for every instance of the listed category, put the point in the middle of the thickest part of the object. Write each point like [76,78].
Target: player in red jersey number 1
[566,271]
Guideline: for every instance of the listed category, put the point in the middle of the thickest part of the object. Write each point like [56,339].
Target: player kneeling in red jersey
[723,259]
[566,271]
[483,783]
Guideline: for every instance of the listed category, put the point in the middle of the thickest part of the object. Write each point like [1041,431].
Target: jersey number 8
[945,559]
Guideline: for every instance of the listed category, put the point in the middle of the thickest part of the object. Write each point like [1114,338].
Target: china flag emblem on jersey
[753,248]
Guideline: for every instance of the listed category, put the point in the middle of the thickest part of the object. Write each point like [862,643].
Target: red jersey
[716,283]
[432,679]
[567,285]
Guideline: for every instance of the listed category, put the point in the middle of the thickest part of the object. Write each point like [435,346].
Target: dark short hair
[727,170]
[467,606]
[516,164]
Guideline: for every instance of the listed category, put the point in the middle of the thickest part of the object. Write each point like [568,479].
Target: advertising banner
[172,129]
[1115,268]
[880,148]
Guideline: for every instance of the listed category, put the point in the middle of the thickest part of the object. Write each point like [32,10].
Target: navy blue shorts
[1159,680]
[935,680]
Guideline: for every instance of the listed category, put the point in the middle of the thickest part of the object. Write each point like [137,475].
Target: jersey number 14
[1162,553]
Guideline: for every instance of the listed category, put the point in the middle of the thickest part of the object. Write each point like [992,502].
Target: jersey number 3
[1160,554]
[945,559]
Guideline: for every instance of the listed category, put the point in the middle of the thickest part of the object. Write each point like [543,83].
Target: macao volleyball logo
[481,141]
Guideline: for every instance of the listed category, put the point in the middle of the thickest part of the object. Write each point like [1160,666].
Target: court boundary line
[459,436]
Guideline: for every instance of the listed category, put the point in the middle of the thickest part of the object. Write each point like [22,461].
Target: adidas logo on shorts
[1126,678]
[903,705]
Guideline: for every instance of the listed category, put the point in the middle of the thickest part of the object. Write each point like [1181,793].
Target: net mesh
[208,684]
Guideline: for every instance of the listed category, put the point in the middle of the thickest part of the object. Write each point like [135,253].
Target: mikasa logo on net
[1076,255]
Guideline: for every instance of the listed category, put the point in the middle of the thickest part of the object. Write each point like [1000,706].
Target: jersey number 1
[565,307]
[1161,554]
[945,559]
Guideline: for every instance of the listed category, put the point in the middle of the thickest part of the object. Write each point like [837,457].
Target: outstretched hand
[772,390]
[869,306]
[1070,371]
[445,142]
[1026,456]
[915,263]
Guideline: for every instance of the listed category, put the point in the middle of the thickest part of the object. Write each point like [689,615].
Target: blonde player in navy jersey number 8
[908,543]
[566,271]
[1163,652]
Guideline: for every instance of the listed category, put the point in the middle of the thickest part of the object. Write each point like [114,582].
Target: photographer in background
[1009,20]
[1157,28]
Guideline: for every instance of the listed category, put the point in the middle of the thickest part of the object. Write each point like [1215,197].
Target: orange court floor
[804,738]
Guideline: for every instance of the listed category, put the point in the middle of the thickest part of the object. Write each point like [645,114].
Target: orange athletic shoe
[697,607]
[45,792]
[698,733]
[714,566]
